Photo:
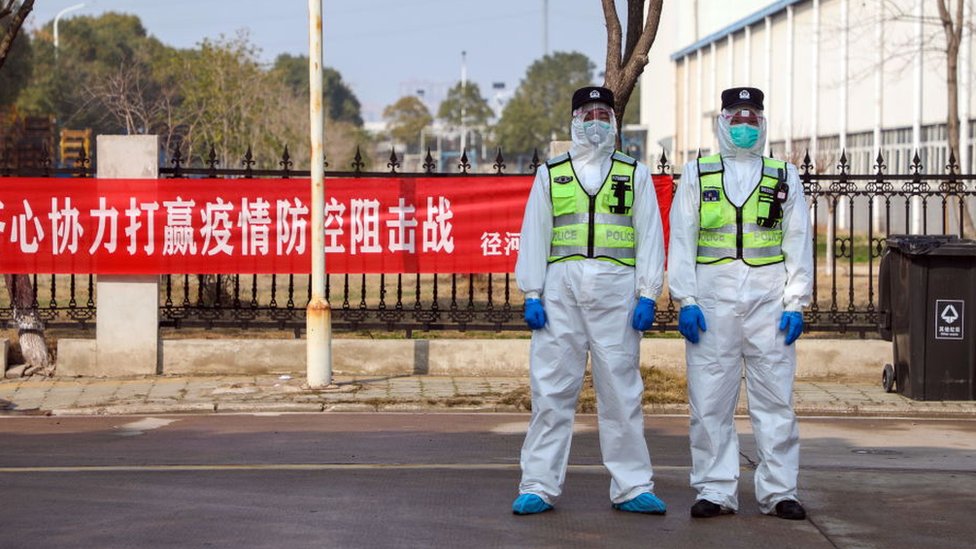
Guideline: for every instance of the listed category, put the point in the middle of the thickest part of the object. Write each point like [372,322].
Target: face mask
[596,131]
[744,136]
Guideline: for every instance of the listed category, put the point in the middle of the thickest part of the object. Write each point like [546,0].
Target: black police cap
[590,94]
[752,97]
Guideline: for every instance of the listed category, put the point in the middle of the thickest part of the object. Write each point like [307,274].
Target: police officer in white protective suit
[591,265]
[740,265]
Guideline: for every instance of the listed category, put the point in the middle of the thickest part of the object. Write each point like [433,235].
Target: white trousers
[742,307]
[589,305]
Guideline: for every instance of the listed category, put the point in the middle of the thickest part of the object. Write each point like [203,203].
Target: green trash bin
[927,294]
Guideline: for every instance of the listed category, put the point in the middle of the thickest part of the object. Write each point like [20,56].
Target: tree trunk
[626,59]
[13,28]
[30,327]
[953,34]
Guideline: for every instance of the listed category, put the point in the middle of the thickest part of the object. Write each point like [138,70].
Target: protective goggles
[743,115]
[594,111]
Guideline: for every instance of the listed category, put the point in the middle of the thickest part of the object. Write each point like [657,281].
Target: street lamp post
[464,86]
[58,18]
[318,321]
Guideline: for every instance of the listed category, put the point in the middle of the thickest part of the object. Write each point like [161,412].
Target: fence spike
[212,158]
[916,166]
[248,162]
[535,161]
[844,163]
[879,163]
[394,161]
[952,166]
[499,162]
[428,163]
[807,165]
[357,161]
[285,161]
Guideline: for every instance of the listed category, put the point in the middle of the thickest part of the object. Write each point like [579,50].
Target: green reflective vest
[599,226]
[753,232]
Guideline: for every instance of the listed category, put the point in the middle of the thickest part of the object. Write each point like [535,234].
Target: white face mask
[594,127]
[597,131]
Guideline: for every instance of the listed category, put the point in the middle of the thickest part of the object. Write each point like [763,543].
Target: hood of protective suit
[591,142]
[728,149]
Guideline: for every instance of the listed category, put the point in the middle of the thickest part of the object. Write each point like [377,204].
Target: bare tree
[626,60]
[952,25]
[137,102]
[30,328]
[942,37]
[9,8]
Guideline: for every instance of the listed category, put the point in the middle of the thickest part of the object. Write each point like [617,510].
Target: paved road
[447,480]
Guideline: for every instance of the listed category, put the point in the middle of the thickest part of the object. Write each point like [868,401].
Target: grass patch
[459,401]
[663,387]
[861,249]
[521,398]
[660,387]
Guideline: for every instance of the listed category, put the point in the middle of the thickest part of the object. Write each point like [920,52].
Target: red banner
[173,226]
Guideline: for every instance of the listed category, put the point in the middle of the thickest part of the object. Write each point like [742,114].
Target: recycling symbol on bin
[949,314]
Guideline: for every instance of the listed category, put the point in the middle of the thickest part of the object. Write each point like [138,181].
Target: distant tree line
[537,113]
[109,75]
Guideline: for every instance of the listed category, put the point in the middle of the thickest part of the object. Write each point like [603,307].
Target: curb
[217,408]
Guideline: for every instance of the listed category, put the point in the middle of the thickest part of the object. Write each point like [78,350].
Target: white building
[852,74]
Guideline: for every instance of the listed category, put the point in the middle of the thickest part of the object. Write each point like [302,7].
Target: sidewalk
[407,393]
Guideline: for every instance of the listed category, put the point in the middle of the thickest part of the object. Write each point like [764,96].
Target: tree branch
[6,8]
[613,39]
[637,62]
[13,27]
[635,20]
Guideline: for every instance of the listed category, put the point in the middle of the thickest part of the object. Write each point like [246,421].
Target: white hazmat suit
[589,304]
[742,306]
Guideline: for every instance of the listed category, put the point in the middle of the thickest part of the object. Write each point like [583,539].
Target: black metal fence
[853,215]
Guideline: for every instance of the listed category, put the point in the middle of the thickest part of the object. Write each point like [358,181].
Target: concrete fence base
[817,358]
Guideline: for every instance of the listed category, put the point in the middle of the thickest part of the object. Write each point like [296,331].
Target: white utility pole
[545,27]
[815,88]
[57,18]
[768,86]
[965,155]
[464,86]
[876,218]
[318,319]
[916,201]
[790,38]
[843,203]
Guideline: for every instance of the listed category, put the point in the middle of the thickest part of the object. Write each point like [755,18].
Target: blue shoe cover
[644,503]
[529,504]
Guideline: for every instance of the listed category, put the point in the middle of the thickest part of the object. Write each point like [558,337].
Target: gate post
[127,306]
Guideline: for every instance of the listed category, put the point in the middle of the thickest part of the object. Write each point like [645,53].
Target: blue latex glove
[643,314]
[690,320]
[535,315]
[792,323]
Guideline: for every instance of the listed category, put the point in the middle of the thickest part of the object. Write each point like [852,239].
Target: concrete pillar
[791,73]
[685,142]
[127,325]
[699,98]
[768,86]
[712,95]
[815,88]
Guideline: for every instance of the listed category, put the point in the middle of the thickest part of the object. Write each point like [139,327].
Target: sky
[384,49]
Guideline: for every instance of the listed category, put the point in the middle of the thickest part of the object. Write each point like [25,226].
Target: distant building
[838,75]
